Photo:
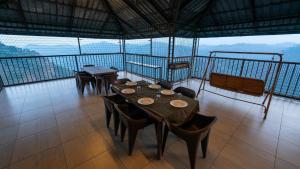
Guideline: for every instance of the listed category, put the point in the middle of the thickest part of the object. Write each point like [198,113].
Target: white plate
[128,91]
[154,86]
[146,101]
[167,92]
[178,103]
[131,83]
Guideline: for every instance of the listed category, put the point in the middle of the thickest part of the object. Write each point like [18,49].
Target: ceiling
[149,18]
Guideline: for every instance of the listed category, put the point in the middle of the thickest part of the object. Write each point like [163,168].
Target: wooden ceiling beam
[143,16]
[160,10]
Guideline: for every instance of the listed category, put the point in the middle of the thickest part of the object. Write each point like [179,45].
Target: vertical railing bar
[4,72]
[19,74]
[10,73]
[24,69]
[288,66]
[291,79]
[297,82]
[42,67]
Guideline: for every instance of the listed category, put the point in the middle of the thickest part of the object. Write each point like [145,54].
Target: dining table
[98,70]
[161,110]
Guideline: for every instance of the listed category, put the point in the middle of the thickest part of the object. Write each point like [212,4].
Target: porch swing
[242,83]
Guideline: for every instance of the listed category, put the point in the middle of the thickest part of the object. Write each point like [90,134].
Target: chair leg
[166,132]
[131,139]
[108,117]
[116,123]
[204,144]
[123,131]
[82,87]
[192,149]
[106,88]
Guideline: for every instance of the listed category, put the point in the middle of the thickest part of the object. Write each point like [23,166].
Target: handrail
[30,69]
[42,56]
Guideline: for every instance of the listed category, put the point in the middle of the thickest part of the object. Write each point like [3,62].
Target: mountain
[46,50]
[6,51]
[17,70]
[291,51]
[292,54]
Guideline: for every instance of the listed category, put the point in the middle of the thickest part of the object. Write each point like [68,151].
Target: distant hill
[291,51]
[20,68]
[6,51]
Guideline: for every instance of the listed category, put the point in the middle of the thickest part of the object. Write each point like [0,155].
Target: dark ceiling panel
[149,18]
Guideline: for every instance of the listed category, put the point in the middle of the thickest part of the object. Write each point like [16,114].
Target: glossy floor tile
[50,125]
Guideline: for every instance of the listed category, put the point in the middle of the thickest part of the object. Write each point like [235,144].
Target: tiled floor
[50,125]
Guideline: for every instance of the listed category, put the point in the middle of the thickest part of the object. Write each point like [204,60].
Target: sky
[266,39]
[22,41]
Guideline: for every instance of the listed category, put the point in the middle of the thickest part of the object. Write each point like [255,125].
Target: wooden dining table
[98,70]
[161,110]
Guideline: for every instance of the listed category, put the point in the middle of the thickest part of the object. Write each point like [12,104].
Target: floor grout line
[278,138]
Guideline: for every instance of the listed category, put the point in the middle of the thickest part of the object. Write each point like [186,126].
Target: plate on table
[128,91]
[131,83]
[145,101]
[154,86]
[167,92]
[179,103]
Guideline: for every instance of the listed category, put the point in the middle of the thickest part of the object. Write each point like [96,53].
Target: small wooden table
[98,70]
[160,110]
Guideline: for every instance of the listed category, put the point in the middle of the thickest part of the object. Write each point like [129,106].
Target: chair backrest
[110,101]
[201,125]
[122,81]
[110,78]
[114,68]
[186,92]
[123,110]
[165,84]
[89,65]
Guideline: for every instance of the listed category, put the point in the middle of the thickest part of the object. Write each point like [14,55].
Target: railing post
[124,55]
[76,61]
[1,84]
[194,49]
[242,68]
[79,49]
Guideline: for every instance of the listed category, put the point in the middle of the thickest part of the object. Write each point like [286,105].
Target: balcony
[51,122]
[48,122]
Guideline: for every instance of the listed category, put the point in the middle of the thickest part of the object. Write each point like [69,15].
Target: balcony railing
[22,70]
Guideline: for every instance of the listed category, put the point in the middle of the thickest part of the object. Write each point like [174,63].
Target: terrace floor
[50,125]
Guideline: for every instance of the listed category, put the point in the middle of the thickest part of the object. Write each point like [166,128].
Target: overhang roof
[149,18]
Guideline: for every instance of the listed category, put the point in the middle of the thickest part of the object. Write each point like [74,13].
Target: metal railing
[22,70]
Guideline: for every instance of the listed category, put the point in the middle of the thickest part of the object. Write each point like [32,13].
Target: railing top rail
[179,57]
[83,54]
[258,60]
[252,53]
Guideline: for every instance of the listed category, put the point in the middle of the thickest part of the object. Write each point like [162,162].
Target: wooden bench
[244,85]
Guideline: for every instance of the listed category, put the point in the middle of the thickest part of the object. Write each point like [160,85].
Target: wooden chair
[132,119]
[109,102]
[108,80]
[165,84]
[186,92]
[192,132]
[82,79]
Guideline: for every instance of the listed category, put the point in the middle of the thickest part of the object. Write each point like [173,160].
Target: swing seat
[250,86]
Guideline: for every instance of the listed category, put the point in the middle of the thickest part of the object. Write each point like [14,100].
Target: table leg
[159,139]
